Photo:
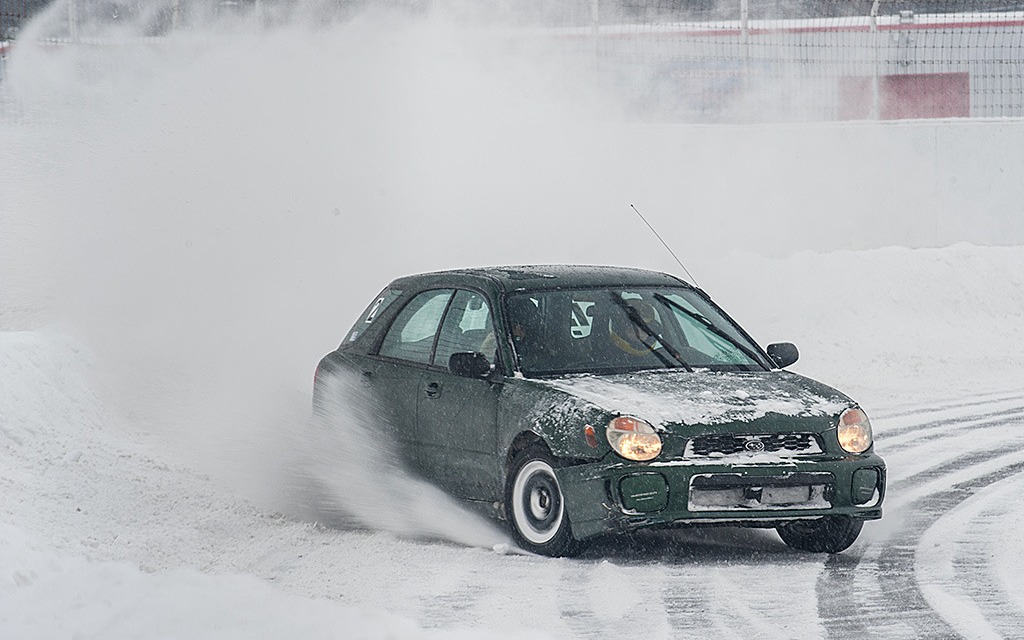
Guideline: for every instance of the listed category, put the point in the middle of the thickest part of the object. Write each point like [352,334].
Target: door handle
[433,390]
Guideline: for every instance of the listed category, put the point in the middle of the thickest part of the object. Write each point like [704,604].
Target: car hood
[704,397]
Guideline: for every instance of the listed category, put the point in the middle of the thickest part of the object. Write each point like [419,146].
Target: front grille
[716,446]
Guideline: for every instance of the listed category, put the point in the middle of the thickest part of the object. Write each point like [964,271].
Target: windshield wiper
[665,300]
[634,317]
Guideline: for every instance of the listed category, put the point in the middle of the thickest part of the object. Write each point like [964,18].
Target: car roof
[534,277]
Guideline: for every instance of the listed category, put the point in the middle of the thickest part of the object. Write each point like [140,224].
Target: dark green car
[575,401]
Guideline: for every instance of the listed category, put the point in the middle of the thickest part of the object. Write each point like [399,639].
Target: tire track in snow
[600,599]
[957,560]
[897,607]
[686,583]
[442,609]
[685,603]
[918,415]
[712,584]
[929,429]
[877,592]
[575,609]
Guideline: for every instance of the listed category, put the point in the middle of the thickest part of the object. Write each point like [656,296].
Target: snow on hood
[705,397]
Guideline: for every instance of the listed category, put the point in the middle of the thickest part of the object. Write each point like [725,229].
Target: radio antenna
[658,236]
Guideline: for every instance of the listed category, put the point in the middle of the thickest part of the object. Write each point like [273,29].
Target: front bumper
[616,496]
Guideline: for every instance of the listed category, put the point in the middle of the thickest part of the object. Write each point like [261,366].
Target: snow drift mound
[892,324]
[44,595]
[102,536]
[45,381]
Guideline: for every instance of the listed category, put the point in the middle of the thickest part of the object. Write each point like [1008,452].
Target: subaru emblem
[754,446]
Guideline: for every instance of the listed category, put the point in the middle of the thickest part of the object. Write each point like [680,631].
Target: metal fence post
[73,20]
[875,47]
[745,43]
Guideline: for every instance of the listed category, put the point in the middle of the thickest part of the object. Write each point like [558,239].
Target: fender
[556,417]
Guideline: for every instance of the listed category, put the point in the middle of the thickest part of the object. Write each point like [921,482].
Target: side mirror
[783,354]
[469,364]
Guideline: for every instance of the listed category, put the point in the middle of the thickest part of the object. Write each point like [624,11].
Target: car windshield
[618,330]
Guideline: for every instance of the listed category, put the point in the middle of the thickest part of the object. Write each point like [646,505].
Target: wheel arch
[537,414]
[523,441]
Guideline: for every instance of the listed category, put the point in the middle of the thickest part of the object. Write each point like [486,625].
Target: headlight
[633,439]
[854,431]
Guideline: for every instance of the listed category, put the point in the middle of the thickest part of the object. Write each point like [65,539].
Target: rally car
[574,401]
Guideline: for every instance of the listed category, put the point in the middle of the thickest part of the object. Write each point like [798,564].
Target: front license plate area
[735,492]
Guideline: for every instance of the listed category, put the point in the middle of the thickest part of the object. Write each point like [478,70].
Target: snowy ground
[184,232]
[109,531]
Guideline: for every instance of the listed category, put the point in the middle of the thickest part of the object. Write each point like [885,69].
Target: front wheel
[830,534]
[535,506]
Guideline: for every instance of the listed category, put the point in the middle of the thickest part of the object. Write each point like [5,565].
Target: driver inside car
[638,335]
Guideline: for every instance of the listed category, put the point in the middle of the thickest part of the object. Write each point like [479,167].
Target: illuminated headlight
[854,431]
[633,439]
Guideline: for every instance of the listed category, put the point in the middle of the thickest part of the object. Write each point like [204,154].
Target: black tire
[830,534]
[535,506]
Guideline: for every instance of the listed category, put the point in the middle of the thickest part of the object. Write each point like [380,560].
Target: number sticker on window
[374,309]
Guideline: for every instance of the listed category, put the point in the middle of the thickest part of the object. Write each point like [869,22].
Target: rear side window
[372,312]
[467,328]
[411,336]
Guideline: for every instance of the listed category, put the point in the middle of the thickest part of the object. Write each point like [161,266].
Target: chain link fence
[705,60]
[776,60]
[799,60]
[14,14]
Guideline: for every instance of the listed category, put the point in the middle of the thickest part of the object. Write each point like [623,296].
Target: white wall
[780,189]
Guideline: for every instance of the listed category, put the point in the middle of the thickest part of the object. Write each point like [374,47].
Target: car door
[456,429]
[394,374]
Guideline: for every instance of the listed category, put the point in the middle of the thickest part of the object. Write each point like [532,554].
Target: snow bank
[45,381]
[100,537]
[892,325]
[44,595]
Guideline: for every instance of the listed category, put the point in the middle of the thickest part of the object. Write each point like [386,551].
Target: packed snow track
[78,485]
[941,565]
